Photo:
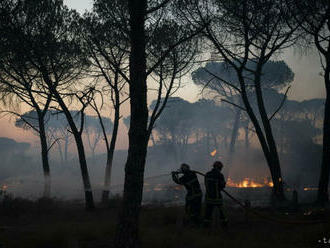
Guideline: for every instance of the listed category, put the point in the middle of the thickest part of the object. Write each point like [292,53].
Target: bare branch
[281,104]
[234,104]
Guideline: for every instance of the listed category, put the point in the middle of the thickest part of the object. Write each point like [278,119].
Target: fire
[309,189]
[268,182]
[213,153]
[4,187]
[248,183]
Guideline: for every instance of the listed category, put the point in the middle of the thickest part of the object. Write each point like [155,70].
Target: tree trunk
[89,201]
[84,170]
[247,142]
[323,194]
[278,192]
[44,156]
[110,153]
[127,233]
[234,135]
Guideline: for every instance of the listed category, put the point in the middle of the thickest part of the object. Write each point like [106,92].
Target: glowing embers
[249,183]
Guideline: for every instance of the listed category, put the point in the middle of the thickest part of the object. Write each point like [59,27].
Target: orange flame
[248,183]
[213,153]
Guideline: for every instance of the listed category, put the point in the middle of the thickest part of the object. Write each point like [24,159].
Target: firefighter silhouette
[194,193]
[214,183]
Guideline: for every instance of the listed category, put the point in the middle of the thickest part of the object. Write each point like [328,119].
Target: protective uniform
[214,183]
[194,193]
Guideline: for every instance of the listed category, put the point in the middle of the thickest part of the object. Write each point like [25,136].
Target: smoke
[196,133]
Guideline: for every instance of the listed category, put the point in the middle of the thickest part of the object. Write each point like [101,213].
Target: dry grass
[52,223]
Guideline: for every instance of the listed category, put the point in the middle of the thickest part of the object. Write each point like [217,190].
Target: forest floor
[53,223]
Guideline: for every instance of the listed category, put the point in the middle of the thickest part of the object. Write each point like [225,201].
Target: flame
[248,183]
[213,153]
[308,189]
[268,182]
[4,187]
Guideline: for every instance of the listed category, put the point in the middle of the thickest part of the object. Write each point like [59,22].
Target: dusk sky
[307,84]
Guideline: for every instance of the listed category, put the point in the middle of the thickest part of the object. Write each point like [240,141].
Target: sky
[307,84]
[79,5]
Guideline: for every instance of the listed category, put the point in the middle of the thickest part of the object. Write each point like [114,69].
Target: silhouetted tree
[215,76]
[43,34]
[246,34]
[163,58]
[107,50]
[18,78]
[314,19]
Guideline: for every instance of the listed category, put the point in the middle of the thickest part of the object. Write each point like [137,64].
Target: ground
[53,223]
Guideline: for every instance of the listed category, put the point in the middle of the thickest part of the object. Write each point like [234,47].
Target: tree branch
[234,104]
[281,104]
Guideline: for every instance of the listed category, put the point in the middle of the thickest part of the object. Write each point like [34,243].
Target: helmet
[184,167]
[217,165]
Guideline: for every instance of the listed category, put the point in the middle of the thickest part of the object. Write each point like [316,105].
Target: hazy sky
[307,84]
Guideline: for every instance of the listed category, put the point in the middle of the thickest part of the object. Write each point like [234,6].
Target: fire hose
[247,209]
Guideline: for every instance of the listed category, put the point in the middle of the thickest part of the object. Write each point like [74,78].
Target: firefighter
[194,193]
[214,183]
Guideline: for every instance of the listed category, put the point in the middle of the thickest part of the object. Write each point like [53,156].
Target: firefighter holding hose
[194,193]
[214,184]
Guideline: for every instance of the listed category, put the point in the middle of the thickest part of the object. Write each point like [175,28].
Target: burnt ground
[65,224]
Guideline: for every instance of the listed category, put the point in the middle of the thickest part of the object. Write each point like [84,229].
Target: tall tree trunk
[127,233]
[234,135]
[84,170]
[275,173]
[44,156]
[323,194]
[110,153]
[89,201]
[278,192]
[247,142]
